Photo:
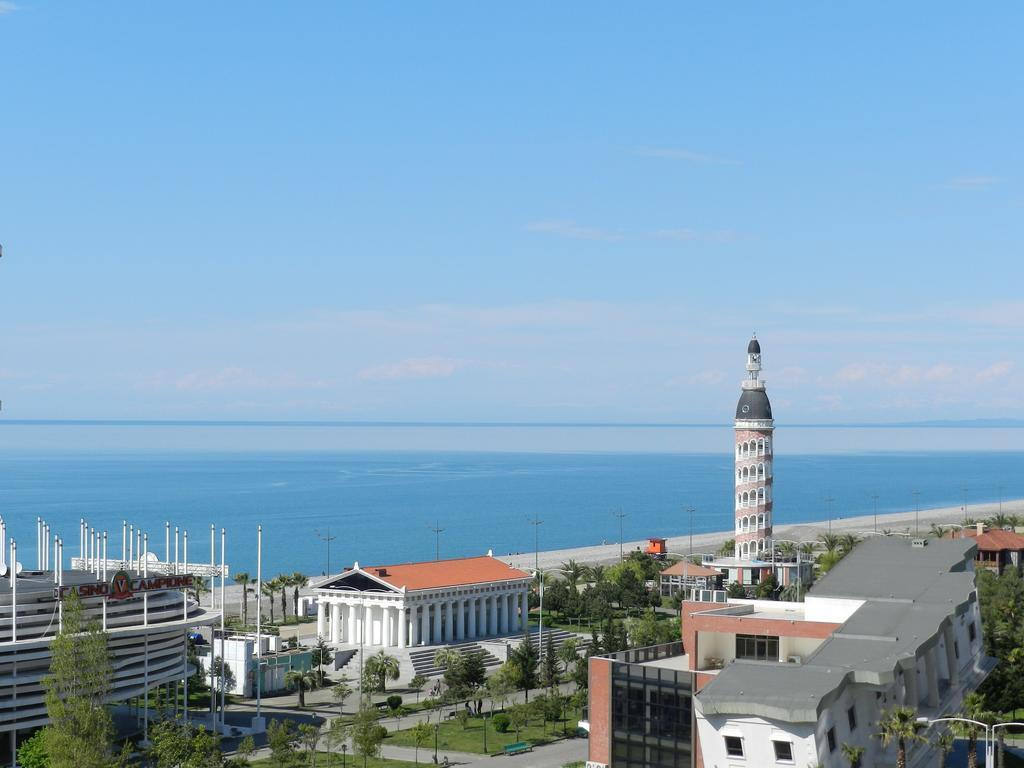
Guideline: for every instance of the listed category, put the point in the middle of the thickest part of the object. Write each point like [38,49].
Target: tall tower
[754,426]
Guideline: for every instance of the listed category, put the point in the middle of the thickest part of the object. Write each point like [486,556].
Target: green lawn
[329,760]
[452,736]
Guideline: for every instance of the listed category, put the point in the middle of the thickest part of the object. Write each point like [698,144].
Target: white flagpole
[259,617]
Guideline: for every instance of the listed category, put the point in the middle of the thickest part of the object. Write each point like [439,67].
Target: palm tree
[296,581]
[944,743]
[596,573]
[242,579]
[807,548]
[853,754]
[831,541]
[937,531]
[728,548]
[200,587]
[847,542]
[280,583]
[899,725]
[1000,520]
[787,548]
[974,709]
[383,667]
[269,588]
[302,679]
[573,572]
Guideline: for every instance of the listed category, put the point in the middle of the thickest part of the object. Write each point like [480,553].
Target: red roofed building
[433,603]
[997,549]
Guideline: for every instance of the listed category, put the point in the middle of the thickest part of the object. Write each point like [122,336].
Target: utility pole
[438,530]
[965,489]
[620,514]
[536,523]
[874,498]
[917,511]
[828,503]
[1000,489]
[328,539]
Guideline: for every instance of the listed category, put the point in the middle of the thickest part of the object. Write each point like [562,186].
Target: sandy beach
[865,525]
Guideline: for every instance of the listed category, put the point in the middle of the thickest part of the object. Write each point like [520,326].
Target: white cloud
[686,155]
[572,229]
[994,371]
[695,235]
[7,7]
[412,368]
[970,182]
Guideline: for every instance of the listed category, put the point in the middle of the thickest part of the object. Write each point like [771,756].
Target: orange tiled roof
[996,539]
[691,570]
[445,573]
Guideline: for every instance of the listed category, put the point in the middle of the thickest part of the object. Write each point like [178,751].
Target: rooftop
[909,594]
[994,539]
[434,574]
[691,569]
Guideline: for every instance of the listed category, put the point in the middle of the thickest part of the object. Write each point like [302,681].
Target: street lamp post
[917,511]
[989,732]
[620,514]
[874,498]
[540,623]
[328,539]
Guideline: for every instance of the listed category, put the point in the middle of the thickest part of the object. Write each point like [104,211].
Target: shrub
[501,722]
[380,732]
[394,702]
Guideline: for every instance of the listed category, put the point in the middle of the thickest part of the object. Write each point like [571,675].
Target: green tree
[282,737]
[899,725]
[309,737]
[474,671]
[301,680]
[853,754]
[76,690]
[242,579]
[728,548]
[569,653]
[382,667]
[296,581]
[765,589]
[526,660]
[418,683]
[246,749]
[944,743]
[421,736]
[269,589]
[519,717]
[341,691]
[736,590]
[574,572]
[549,664]
[32,752]
[644,630]
[337,734]
[219,669]
[176,745]
[366,734]
[321,655]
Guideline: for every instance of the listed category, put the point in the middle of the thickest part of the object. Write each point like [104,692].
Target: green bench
[518,748]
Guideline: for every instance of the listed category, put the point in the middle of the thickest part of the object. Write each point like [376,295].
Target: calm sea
[481,486]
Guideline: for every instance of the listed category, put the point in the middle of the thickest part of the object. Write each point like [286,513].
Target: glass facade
[760,647]
[652,711]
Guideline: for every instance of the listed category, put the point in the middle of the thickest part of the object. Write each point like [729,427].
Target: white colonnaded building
[438,602]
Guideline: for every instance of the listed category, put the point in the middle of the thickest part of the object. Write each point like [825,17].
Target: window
[783,751]
[734,746]
[851,716]
[757,647]
[956,648]
[972,632]
[831,739]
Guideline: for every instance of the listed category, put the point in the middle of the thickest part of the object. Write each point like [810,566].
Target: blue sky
[531,212]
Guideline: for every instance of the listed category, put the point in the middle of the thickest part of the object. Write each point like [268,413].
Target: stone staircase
[423,659]
[558,638]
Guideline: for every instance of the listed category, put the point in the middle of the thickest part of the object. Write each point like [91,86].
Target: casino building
[146,617]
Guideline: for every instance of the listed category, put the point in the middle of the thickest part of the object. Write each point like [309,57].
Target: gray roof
[910,594]
[754,347]
[756,405]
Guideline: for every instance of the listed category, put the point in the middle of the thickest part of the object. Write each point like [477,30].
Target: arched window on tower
[760,522]
[760,495]
[760,471]
[760,447]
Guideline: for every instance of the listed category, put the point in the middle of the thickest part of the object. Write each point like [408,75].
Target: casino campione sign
[123,585]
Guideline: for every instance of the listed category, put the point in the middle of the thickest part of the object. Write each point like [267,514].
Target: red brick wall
[600,710]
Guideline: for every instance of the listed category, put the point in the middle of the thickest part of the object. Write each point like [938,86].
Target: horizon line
[932,424]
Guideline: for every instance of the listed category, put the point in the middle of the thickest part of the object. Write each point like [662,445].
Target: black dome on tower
[754,404]
[753,348]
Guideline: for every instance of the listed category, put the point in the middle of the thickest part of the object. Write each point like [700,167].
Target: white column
[385,626]
[471,628]
[403,628]
[460,619]
[436,637]
[352,636]
[449,636]
[492,621]
[321,618]
[503,613]
[931,672]
[335,622]
[524,608]
[425,624]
